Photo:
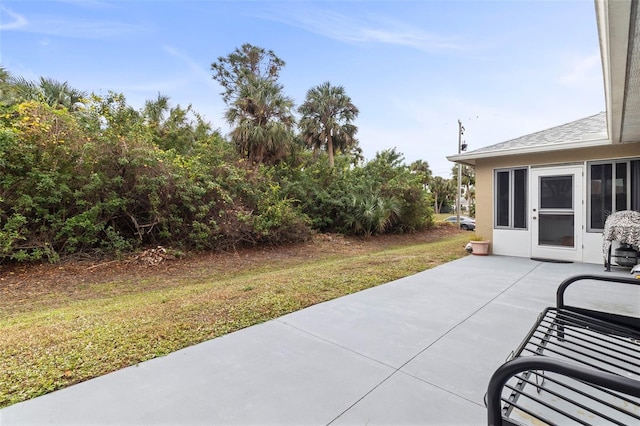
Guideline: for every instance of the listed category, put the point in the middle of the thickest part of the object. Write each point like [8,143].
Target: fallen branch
[101,264]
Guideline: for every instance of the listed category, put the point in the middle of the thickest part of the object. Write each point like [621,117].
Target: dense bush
[107,179]
[96,181]
[397,182]
[381,196]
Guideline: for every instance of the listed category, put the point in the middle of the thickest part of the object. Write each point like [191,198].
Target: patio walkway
[419,350]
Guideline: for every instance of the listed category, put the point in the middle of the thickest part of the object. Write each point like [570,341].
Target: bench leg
[608,264]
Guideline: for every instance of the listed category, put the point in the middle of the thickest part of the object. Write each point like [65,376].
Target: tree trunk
[330,150]
[467,196]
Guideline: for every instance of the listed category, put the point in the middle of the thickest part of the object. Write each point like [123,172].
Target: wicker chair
[624,227]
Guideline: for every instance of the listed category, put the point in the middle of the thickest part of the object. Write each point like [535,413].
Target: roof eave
[614,45]
[470,158]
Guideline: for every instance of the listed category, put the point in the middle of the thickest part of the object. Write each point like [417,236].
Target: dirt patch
[75,278]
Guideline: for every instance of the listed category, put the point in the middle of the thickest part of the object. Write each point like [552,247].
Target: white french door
[556,213]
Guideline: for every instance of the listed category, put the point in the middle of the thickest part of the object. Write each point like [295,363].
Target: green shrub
[380,196]
[103,180]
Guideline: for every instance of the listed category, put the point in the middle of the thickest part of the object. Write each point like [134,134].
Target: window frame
[512,198]
[614,176]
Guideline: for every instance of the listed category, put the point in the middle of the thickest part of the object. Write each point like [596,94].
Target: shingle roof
[585,129]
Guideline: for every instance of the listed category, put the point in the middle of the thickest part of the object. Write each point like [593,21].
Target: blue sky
[413,68]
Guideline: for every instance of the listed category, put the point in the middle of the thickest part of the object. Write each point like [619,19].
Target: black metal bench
[576,366]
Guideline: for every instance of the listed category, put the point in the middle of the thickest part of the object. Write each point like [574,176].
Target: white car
[466,223]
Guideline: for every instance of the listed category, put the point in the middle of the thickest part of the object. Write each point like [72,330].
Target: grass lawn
[442,216]
[70,328]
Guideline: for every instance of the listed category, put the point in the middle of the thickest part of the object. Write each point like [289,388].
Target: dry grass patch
[100,326]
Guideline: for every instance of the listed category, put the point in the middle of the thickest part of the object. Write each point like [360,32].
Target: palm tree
[468,181]
[6,89]
[25,89]
[61,95]
[369,212]
[327,114]
[422,168]
[4,74]
[258,110]
[443,190]
[50,91]
[154,110]
[262,120]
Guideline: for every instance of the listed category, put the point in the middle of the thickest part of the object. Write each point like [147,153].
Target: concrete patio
[419,350]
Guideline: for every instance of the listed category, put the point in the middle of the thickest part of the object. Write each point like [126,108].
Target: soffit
[619,33]
[630,131]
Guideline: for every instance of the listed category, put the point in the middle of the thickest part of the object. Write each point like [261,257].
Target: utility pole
[460,133]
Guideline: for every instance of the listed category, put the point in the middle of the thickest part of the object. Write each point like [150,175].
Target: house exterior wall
[518,242]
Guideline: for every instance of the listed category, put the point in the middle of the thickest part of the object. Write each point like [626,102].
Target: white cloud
[370,30]
[83,29]
[90,4]
[53,26]
[16,21]
[411,38]
[204,75]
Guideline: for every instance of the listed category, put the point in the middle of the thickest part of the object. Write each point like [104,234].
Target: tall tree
[262,121]
[422,168]
[154,110]
[236,70]
[468,182]
[257,108]
[326,123]
[444,192]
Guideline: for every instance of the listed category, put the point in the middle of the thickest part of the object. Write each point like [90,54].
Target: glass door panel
[556,217]
[556,192]
[556,213]
[556,230]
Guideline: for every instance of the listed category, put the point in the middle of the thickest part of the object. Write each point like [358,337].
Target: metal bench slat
[540,388]
[592,396]
[620,343]
[580,319]
[563,334]
[564,347]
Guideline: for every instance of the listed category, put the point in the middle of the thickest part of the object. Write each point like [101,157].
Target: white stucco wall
[518,242]
[509,242]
